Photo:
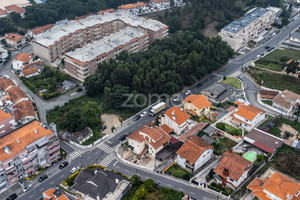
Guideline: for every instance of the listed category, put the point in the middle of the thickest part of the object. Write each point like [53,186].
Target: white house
[30,72]
[176,119]
[149,140]
[233,169]
[21,60]
[286,101]
[194,153]
[248,116]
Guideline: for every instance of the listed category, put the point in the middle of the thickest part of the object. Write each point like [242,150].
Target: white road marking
[108,142]
[115,163]
[52,182]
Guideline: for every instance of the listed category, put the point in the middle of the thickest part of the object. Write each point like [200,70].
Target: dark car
[12,197]
[199,85]
[135,118]
[122,137]
[79,89]
[43,177]
[157,183]
[267,47]
[63,165]
[102,128]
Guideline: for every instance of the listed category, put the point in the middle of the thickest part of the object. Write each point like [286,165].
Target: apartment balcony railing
[27,165]
[29,171]
[53,150]
[53,156]
[26,159]
[13,181]
[11,169]
[12,176]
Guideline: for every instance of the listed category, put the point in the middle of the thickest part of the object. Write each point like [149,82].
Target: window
[231,179]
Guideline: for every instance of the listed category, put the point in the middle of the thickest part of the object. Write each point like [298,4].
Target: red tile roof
[15,37]
[193,148]
[4,115]
[41,29]
[15,8]
[29,71]
[106,11]
[193,131]
[23,109]
[24,57]
[248,111]
[158,1]
[3,12]
[268,94]
[235,164]
[166,128]
[200,101]
[16,93]
[156,135]
[179,115]
[133,5]
[5,83]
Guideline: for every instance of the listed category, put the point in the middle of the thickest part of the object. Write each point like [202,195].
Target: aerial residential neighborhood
[150,100]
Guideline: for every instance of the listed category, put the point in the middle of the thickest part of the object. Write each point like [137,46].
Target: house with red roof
[55,194]
[21,60]
[15,8]
[275,185]
[149,140]
[15,40]
[3,13]
[233,169]
[7,120]
[196,105]
[194,153]
[248,116]
[176,119]
[30,72]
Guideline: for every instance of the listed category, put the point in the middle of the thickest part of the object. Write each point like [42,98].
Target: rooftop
[15,37]
[200,101]
[193,131]
[193,148]
[133,5]
[248,111]
[24,57]
[15,8]
[54,34]
[268,94]
[23,109]
[3,12]
[216,89]
[281,100]
[176,114]
[41,29]
[16,94]
[105,45]
[296,35]
[6,83]
[290,95]
[29,71]
[26,135]
[80,136]
[4,115]
[241,23]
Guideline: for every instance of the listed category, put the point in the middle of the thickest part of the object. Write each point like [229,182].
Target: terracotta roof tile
[24,57]
[180,115]
[282,102]
[234,163]
[4,115]
[248,111]
[15,37]
[41,29]
[16,94]
[200,101]
[3,12]
[268,94]
[29,71]
[194,130]
[158,1]
[291,95]
[15,8]
[49,192]
[26,135]
[166,128]
[156,133]
[106,11]
[23,109]
[5,83]
[132,5]
[193,148]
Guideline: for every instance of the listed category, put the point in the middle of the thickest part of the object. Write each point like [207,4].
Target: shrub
[221,126]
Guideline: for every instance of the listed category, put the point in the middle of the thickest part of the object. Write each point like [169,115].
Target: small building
[295,37]
[24,111]
[176,119]
[15,95]
[6,83]
[248,116]
[81,136]
[21,60]
[233,169]
[193,131]
[55,194]
[275,185]
[149,140]
[15,40]
[100,184]
[169,150]
[196,105]
[263,140]
[3,13]
[286,101]
[37,30]
[194,153]
[268,94]
[215,91]
[30,72]
[17,9]
[7,120]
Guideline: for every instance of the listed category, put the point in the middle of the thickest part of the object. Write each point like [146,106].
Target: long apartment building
[83,62]
[24,150]
[240,32]
[62,38]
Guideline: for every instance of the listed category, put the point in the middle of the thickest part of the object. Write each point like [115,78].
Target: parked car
[28,187]
[137,117]
[267,47]
[12,197]
[157,183]
[176,98]
[187,92]
[79,89]
[102,128]
[143,114]
[75,169]
[122,137]
[63,165]
[43,177]
[198,85]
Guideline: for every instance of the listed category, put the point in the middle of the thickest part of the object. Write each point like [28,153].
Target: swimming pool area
[250,155]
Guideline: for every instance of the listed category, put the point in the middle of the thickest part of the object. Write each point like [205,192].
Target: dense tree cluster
[166,67]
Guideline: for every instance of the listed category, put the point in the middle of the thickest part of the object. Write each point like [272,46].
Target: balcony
[2,184]
[12,176]
[26,159]
[13,181]
[28,171]
[52,145]
[27,165]
[11,169]
[7,167]
[53,150]
[53,156]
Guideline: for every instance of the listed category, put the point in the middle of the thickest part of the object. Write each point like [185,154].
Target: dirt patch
[210,30]
[110,120]
[291,130]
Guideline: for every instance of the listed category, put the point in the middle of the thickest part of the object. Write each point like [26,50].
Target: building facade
[240,32]
[24,150]
[7,122]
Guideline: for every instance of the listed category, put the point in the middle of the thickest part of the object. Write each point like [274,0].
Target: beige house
[148,140]
[196,105]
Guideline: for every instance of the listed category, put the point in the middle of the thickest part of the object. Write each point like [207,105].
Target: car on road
[122,137]
[43,177]
[157,183]
[137,117]
[102,128]
[176,98]
[198,85]
[79,89]
[28,187]
[63,165]
[75,169]
[12,197]
[143,114]
[187,92]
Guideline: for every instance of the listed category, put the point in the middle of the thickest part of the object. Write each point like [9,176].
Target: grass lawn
[207,121]
[278,53]
[275,81]
[266,121]
[271,66]
[233,81]
[178,172]
[269,102]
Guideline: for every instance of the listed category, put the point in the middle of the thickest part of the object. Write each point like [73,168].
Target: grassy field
[278,53]
[233,81]
[178,172]
[271,66]
[269,102]
[275,81]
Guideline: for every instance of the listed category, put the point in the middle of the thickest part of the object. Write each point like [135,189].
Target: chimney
[189,105]
[226,171]
[18,141]
[181,108]
[230,150]
[173,115]
[35,131]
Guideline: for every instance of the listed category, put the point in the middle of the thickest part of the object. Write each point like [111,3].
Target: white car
[143,114]
[28,187]
[176,98]
[187,92]
[74,169]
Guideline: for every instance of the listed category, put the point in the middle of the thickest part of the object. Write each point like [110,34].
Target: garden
[178,172]
[219,188]
[229,129]
[232,81]
[49,80]
[223,144]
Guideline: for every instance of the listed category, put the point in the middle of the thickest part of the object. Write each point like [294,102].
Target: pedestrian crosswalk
[104,147]
[75,154]
[108,159]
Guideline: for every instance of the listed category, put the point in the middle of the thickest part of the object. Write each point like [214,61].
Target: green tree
[220,126]
[74,120]
[149,185]
[91,114]
[135,180]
